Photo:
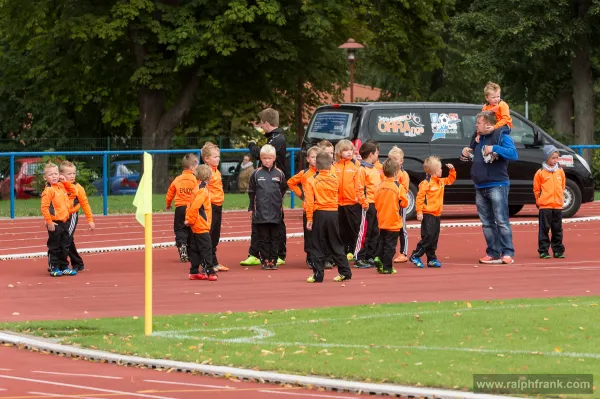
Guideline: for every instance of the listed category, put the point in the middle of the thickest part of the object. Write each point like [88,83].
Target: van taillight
[357,143]
[336,105]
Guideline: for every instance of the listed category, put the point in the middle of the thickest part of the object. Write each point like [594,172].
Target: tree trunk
[560,111]
[583,96]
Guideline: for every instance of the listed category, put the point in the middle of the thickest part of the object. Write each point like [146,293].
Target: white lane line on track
[190,384]
[56,395]
[78,375]
[60,384]
[308,395]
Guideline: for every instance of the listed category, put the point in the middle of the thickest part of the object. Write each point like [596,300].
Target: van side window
[402,125]
[521,132]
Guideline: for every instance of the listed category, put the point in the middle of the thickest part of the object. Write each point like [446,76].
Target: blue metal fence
[580,148]
[106,154]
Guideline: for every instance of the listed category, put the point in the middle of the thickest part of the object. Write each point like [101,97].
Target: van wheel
[572,199]
[514,209]
[411,211]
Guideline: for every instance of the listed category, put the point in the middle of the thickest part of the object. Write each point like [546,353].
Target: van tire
[412,196]
[514,209]
[572,199]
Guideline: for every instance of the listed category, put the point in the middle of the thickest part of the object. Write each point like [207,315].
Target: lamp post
[351,45]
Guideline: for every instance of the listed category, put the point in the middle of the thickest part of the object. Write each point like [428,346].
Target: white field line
[306,395]
[78,375]
[262,334]
[247,238]
[60,384]
[56,395]
[190,385]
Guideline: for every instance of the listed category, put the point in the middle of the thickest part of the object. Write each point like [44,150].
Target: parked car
[26,170]
[443,129]
[123,178]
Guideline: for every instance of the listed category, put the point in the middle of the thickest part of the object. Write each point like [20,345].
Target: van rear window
[331,125]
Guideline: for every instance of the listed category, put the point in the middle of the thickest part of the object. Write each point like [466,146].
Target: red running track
[27,375]
[28,235]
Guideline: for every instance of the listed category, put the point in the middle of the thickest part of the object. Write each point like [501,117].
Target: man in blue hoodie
[489,172]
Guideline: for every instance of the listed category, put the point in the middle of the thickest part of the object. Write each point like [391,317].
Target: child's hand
[168,208]
[92,225]
[309,226]
[419,217]
[61,178]
[449,166]
[489,129]
[466,152]
[477,138]
[51,226]
[250,214]
[186,223]
[488,149]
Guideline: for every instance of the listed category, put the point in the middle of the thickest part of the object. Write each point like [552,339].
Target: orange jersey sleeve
[360,187]
[309,200]
[502,112]
[215,188]
[47,197]
[420,201]
[450,179]
[199,213]
[85,204]
[171,192]
[537,185]
[294,183]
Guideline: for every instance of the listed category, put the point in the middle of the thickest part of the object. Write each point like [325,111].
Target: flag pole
[148,274]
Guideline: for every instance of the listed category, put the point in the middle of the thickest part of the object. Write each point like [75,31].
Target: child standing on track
[548,187]
[267,187]
[390,198]
[211,155]
[298,184]
[182,189]
[367,179]
[198,217]
[325,145]
[55,209]
[78,199]
[397,155]
[323,220]
[429,203]
[350,212]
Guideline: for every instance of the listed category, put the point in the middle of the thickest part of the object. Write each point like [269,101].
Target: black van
[443,129]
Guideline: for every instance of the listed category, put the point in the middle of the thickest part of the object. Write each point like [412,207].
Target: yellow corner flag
[143,214]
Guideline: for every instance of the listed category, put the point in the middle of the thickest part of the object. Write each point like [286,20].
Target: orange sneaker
[507,260]
[212,277]
[221,268]
[199,276]
[401,259]
[488,260]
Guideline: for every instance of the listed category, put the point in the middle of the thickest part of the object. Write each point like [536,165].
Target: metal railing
[106,154]
[580,148]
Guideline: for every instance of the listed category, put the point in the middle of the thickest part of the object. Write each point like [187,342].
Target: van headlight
[584,162]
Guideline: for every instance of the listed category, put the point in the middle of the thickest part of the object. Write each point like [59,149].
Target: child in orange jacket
[499,107]
[55,210]
[548,188]
[198,217]
[390,198]
[429,204]
[397,155]
[183,190]
[78,199]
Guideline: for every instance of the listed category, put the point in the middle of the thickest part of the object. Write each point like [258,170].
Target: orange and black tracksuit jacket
[79,200]
[430,199]
[379,167]
[548,188]
[199,212]
[182,189]
[299,181]
[502,114]
[346,170]
[403,179]
[55,202]
[321,194]
[215,187]
[367,179]
[390,197]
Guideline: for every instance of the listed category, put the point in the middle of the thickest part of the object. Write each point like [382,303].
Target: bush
[85,176]
[596,168]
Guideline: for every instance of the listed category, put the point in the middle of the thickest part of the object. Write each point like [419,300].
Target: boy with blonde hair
[429,203]
[297,184]
[198,217]
[77,199]
[349,211]
[267,187]
[211,155]
[397,155]
[55,210]
[498,106]
[390,198]
[182,189]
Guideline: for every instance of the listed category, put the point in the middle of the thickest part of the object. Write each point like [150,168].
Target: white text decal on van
[443,124]
[566,160]
[409,125]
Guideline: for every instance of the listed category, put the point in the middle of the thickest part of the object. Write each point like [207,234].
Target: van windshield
[331,125]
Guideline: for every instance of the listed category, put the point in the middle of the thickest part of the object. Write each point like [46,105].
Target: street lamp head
[351,45]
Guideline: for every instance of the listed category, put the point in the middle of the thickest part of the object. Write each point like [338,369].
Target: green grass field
[124,204]
[431,344]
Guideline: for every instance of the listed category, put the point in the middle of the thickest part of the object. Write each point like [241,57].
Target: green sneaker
[385,271]
[350,257]
[378,264]
[251,261]
[544,255]
[559,255]
[280,262]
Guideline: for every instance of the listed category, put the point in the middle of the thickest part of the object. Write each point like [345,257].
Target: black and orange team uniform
[182,189]
[368,178]
[217,197]
[297,183]
[321,195]
[198,216]
[55,209]
[390,199]
[266,190]
[77,200]
[549,187]
[350,211]
[429,202]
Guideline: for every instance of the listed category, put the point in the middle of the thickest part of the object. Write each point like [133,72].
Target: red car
[25,171]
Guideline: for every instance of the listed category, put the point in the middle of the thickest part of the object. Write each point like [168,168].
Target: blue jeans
[492,206]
